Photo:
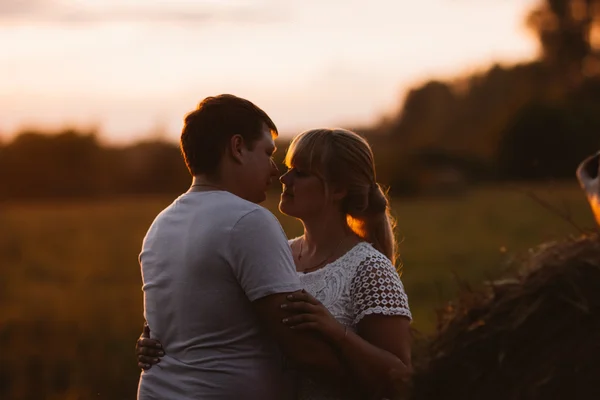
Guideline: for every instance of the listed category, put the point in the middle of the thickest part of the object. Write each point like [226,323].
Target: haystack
[533,336]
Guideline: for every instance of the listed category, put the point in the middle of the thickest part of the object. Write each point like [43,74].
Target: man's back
[204,260]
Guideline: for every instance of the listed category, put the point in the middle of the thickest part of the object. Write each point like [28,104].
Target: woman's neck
[322,234]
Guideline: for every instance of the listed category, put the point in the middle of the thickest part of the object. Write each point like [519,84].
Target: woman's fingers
[151,343]
[300,306]
[303,296]
[148,360]
[299,319]
[306,325]
[143,366]
[146,331]
[148,350]
[144,349]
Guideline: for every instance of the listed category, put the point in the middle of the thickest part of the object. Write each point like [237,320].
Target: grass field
[70,298]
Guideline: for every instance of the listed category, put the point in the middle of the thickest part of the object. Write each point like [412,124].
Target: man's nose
[274,168]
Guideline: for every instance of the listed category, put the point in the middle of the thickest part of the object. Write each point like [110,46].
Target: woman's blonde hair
[342,157]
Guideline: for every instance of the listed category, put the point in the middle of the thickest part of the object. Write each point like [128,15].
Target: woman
[345,260]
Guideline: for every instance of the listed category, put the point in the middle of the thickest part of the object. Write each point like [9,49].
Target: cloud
[70,13]
[12,8]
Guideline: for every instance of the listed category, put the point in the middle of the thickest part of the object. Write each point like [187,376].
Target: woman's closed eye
[300,173]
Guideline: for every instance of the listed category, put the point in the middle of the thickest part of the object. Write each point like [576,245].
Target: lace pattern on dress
[377,289]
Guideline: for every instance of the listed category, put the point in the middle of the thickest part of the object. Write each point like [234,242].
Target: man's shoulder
[223,209]
[239,211]
[256,216]
[237,203]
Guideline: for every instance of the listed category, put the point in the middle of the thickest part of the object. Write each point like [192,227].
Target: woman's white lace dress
[361,282]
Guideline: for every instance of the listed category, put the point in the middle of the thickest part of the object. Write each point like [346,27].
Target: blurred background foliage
[465,161]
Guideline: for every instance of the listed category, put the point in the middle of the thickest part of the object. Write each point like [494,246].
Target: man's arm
[262,263]
[309,350]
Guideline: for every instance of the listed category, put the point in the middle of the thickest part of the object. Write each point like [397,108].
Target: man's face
[258,167]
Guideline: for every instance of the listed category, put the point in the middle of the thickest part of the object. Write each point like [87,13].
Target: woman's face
[303,195]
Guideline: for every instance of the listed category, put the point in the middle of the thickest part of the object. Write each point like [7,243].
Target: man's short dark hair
[208,129]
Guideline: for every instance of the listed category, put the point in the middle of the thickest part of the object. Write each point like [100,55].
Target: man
[216,267]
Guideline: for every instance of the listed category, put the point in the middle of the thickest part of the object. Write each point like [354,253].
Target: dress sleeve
[377,289]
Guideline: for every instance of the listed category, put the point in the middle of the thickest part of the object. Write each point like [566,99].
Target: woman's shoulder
[364,252]
[369,264]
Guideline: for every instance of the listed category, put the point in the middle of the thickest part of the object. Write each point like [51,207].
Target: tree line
[531,121]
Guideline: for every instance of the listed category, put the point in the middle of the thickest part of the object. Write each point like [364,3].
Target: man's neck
[205,183]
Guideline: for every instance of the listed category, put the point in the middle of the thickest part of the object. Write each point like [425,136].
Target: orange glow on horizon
[129,69]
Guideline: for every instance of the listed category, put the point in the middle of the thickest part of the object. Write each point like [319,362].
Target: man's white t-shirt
[205,258]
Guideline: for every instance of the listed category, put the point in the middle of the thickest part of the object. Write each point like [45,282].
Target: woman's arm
[378,354]
[381,348]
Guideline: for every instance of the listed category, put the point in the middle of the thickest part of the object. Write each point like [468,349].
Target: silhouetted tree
[39,165]
[74,164]
[486,117]
[546,141]
[564,30]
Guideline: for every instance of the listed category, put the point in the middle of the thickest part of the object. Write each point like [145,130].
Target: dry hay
[535,336]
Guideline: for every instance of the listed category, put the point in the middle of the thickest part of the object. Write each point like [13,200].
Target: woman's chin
[285,207]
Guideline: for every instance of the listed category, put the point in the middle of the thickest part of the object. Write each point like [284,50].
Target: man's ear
[237,148]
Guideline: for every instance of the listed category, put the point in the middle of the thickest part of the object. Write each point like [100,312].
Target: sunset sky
[134,67]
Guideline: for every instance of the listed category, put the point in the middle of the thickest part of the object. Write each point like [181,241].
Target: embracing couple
[236,311]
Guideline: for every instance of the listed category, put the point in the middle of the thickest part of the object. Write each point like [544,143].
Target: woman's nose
[284,178]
